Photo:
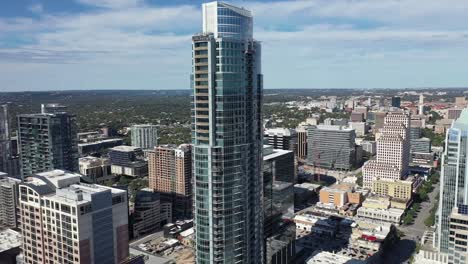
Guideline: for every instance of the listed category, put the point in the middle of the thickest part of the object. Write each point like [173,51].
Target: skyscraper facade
[227,136]
[9,161]
[454,180]
[144,136]
[393,151]
[170,173]
[47,141]
[331,147]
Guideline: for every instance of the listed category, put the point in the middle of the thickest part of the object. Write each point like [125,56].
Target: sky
[146,44]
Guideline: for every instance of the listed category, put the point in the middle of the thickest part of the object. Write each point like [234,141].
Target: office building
[65,221]
[453,190]
[396,101]
[95,170]
[281,138]
[393,151]
[458,235]
[379,120]
[361,109]
[278,204]
[128,161]
[47,141]
[331,147]
[4,137]
[356,117]
[53,108]
[98,147]
[144,136]
[360,128]
[454,113]
[422,145]
[150,214]
[8,200]
[301,148]
[9,159]
[227,137]
[335,121]
[170,173]
[369,148]
[278,186]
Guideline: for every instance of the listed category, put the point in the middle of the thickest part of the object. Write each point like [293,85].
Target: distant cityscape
[231,173]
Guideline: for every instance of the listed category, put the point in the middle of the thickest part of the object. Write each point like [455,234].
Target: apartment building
[65,221]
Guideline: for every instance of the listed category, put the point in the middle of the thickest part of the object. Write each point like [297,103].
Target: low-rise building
[378,215]
[10,243]
[340,194]
[99,146]
[95,170]
[326,257]
[316,224]
[401,189]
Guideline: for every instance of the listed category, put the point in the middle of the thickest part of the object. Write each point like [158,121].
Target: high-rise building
[8,200]
[281,138]
[170,173]
[458,237]
[278,204]
[144,136]
[227,87]
[421,104]
[47,141]
[331,147]
[453,183]
[9,160]
[301,148]
[63,221]
[396,101]
[150,214]
[393,150]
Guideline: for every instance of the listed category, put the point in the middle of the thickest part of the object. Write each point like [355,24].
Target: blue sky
[145,44]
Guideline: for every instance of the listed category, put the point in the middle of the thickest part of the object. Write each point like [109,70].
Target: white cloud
[136,37]
[36,8]
[113,4]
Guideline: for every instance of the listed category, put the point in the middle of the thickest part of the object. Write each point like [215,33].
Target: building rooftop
[100,141]
[9,239]
[125,148]
[334,128]
[326,257]
[270,153]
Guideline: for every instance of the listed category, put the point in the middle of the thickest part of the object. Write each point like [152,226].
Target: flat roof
[9,239]
[125,148]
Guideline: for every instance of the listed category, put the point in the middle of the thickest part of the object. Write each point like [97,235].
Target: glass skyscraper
[227,92]
[454,178]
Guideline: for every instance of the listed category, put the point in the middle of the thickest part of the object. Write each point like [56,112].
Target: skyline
[138,44]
